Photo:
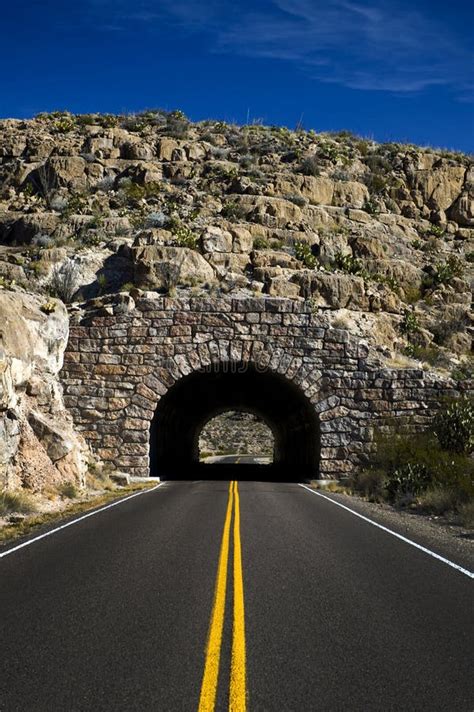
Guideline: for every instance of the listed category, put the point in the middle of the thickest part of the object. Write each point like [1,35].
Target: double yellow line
[237,689]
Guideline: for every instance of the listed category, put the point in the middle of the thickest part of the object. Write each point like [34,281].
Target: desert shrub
[232,210]
[443,273]
[406,466]
[466,513]
[64,124]
[376,183]
[408,478]
[310,166]
[304,254]
[429,354]
[445,328]
[454,426]
[16,502]
[438,500]
[470,257]
[156,219]
[436,230]
[127,287]
[348,263]
[42,240]
[371,483]
[182,235]
[68,490]
[371,207]
[409,324]
[411,294]
[63,281]
[177,125]
[296,199]
[261,243]
[106,184]
[464,371]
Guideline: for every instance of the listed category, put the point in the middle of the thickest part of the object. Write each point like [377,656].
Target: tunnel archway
[194,399]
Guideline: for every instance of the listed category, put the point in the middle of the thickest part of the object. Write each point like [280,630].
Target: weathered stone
[214,239]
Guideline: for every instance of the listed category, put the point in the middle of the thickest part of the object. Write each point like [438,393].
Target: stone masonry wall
[123,357]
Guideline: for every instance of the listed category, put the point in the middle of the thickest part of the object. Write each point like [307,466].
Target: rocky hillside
[378,236]
[236,432]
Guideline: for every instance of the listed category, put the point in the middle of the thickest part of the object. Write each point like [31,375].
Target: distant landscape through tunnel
[189,405]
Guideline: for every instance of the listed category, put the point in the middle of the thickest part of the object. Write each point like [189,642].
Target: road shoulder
[449,540]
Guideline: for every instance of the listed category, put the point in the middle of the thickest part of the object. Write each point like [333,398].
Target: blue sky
[390,69]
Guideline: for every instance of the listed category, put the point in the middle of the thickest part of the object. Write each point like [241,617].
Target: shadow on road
[237,467]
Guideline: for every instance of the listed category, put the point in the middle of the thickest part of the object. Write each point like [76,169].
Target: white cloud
[383,46]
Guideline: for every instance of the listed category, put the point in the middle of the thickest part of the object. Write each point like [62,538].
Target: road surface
[264,593]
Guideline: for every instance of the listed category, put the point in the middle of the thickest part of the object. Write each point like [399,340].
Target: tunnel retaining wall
[123,357]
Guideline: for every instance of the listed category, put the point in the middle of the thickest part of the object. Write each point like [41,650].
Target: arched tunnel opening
[195,399]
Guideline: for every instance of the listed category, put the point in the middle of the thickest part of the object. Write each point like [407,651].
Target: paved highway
[253,596]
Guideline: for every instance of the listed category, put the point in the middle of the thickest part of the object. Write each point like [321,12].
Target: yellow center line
[237,691]
[213,653]
[238,668]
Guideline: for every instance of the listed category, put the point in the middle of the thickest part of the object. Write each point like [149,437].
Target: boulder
[165,149]
[242,240]
[136,149]
[158,267]
[462,212]
[274,258]
[215,239]
[56,440]
[350,193]
[440,186]
[228,262]
[333,290]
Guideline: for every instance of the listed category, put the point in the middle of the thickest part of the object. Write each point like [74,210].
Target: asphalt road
[113,613]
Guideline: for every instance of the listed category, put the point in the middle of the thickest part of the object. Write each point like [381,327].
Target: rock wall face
[37,444]
[124,358]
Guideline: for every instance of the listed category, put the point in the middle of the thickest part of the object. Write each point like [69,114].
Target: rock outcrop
[38,445]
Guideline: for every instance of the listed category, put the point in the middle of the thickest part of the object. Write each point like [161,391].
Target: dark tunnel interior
[188,405]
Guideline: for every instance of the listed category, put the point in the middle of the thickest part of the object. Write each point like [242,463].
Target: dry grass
[30,524]
[438,500]
[16,503]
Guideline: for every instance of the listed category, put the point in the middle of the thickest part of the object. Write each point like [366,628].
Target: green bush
[261,243]
[182,235]
[304,254]
[409,324]
[408,465]
[454,426]
[409,478]
[348,263]
[232,210]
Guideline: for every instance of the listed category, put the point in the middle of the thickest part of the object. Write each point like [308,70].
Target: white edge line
[466,572]
[76,521]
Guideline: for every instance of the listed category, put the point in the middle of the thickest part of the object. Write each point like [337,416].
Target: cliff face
[379,237]
[37,442]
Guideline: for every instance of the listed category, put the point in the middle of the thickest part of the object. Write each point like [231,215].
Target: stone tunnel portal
[189,404]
